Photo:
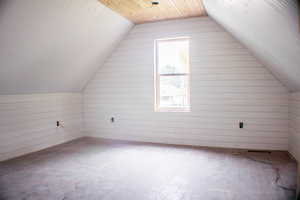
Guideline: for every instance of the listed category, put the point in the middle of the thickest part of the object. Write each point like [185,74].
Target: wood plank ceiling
[142,11]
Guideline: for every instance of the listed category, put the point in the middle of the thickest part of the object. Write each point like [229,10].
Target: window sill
[173,109]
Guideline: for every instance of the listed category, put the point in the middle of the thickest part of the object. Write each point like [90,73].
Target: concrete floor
[91,169]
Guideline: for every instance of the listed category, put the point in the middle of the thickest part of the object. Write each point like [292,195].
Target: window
[172,75]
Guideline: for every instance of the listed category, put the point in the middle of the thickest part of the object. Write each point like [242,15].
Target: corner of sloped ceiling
[124,26]
[269,28]
[55,46]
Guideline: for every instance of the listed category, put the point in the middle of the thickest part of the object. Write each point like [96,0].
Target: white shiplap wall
[270,28]
[295,125]
[28,122]
[228,85]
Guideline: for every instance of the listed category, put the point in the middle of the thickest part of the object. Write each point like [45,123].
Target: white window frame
[157,76]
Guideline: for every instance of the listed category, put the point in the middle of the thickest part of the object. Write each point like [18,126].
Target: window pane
[173,91]
[173,56]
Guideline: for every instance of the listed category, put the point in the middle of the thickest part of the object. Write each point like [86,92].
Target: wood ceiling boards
[142,11]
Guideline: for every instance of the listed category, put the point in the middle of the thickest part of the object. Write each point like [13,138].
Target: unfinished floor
[90,168]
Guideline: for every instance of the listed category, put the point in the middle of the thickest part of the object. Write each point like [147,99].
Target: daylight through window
[172,75]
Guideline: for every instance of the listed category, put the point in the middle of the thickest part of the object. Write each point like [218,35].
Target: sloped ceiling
[270,28]
[54,45]
[57,45]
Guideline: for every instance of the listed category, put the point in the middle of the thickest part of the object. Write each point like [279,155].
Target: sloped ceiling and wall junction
[270,28]
[55,46]
[227,84]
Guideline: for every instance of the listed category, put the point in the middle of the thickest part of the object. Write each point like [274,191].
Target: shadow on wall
[298,187]
[3,5]
[298,183]
[299,33]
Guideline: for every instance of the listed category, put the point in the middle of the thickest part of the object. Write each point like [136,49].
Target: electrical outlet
[241,124]
[60,124]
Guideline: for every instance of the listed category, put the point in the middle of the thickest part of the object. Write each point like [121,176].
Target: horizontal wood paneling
[275,24]
[28,122]
[228,85]
[295,125]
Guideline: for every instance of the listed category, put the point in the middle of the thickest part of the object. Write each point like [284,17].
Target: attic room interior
[149,100]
